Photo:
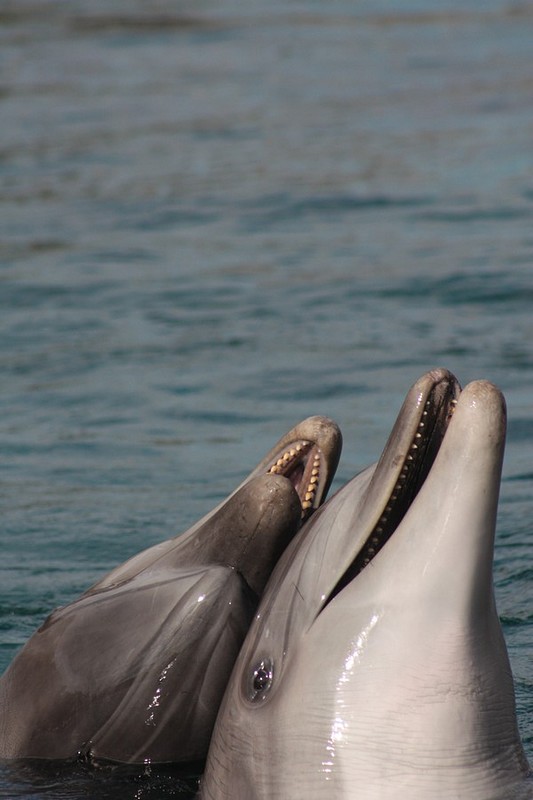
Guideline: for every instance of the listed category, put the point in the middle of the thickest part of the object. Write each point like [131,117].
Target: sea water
[219,218]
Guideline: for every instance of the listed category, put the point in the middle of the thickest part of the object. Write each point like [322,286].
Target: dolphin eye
[261,679]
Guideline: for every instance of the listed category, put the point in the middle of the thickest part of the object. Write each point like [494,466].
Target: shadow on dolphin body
[134,670]
[376,666]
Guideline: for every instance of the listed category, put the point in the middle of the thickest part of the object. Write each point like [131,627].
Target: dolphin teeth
[290,455]
[291,461]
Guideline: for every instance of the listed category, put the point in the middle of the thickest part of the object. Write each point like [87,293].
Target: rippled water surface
[219,218]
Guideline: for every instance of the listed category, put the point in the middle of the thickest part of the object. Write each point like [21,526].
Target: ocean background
[218,218]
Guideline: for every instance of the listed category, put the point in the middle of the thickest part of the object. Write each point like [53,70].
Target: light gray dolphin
[134,670]
[375,668]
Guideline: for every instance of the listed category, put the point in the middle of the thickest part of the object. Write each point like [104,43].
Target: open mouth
[407,459]
[302,463]
[308,456]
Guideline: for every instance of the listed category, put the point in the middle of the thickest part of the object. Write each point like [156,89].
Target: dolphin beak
[308,456]
[405,462]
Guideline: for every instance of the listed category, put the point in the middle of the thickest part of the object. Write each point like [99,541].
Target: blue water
[218,218]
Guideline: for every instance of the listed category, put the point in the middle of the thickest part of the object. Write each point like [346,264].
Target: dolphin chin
[375,667]
[134,670]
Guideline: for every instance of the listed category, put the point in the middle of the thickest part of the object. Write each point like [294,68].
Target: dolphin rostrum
[375,668]
[134,670]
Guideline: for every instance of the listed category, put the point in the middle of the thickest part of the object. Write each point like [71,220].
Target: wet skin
[134,670]
[375,667]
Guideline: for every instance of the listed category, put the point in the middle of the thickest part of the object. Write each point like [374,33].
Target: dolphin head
[134,669]
[307,457]
[375,666]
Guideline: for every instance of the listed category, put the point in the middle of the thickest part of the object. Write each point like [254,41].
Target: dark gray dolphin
[134,670]
[375,668]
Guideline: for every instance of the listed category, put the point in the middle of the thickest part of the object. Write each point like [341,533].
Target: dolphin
[375,668]
[134,670]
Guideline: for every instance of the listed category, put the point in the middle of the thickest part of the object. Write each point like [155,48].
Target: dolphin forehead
[111,673]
